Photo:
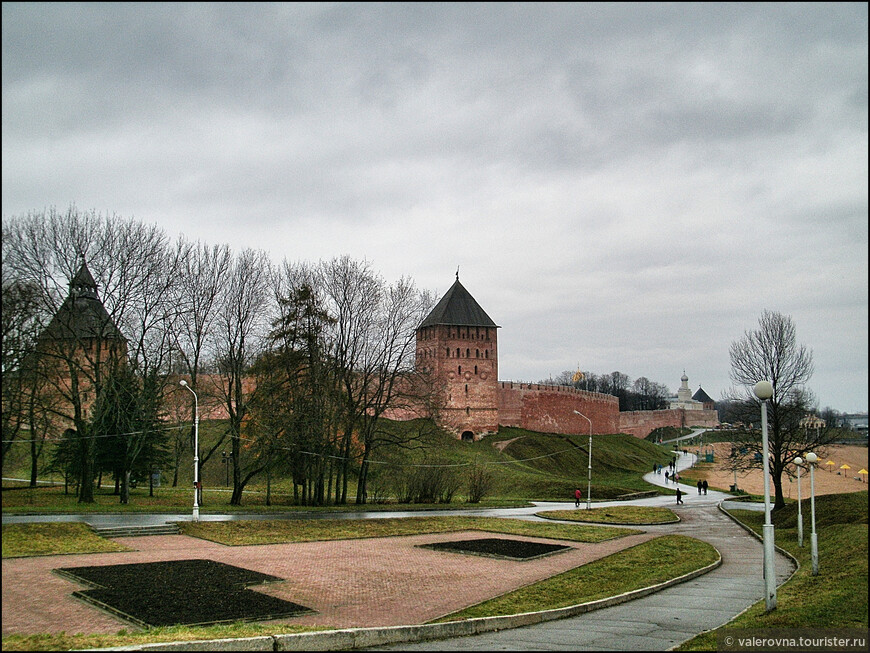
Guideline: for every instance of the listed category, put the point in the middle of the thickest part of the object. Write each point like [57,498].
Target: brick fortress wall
[639,423]
[550,409]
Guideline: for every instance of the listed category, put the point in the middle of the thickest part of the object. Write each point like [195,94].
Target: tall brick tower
[457,343]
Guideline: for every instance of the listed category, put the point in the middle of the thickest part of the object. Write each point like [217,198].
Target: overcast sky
[623,187]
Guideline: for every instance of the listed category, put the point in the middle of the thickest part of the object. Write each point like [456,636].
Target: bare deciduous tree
[241,327]
[772,353]
[203,278]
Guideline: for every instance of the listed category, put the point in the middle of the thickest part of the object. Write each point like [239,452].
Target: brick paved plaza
[369,582]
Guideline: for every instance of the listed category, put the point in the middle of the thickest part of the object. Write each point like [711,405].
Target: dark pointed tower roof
[83,281]
[458,307]
[702,396]
[82,315]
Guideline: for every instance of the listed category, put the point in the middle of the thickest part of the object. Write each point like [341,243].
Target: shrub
[480,482]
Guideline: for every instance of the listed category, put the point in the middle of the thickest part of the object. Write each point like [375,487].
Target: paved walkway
[660,621]
[390,581]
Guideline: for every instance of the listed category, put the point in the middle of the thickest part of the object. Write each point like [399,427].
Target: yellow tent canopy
[830,463]
[845,466]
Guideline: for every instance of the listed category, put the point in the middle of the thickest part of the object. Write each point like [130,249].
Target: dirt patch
[829,479]
[501,444]
[180,592]
[498,547]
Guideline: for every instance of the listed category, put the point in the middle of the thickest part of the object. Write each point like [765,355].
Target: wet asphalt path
[660,621]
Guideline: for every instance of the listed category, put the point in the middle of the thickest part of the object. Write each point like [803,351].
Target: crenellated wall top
[562,389]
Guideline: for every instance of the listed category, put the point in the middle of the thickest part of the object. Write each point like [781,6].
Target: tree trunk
[361,484]
[177,464]
[33,460]
[345,465]
[86,480]
[236,498]
[125,487]
[779,500]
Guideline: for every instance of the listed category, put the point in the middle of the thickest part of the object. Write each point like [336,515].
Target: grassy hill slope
[524,465]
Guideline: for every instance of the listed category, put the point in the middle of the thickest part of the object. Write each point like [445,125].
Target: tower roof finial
[457,273]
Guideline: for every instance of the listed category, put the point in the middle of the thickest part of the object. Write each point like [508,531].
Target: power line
[381,462]
[313,453]
[105,435]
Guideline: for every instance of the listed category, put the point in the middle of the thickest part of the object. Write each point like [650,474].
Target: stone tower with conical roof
[82,334]
[82,316]
[457,345]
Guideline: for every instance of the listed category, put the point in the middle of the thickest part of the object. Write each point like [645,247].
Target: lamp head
[763,390]
[812,458]
[182,382]
[798,461]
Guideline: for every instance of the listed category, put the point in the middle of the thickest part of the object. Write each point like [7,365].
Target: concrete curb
[352,638]
[797,565]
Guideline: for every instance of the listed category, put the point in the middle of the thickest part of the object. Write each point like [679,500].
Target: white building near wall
[684,397]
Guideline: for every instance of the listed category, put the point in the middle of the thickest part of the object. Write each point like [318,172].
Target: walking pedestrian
[666,476]
[679,496]
[577,496]
[700,486]
[655,468]
[704,486]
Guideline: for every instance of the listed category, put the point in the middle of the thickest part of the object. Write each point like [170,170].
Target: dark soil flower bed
[498,547]
[189,592]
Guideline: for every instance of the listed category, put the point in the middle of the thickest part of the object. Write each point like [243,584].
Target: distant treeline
[640,394]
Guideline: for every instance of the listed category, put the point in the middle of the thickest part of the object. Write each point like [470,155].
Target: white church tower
[684,396]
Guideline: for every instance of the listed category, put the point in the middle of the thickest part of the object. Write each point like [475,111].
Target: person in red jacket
[577,498]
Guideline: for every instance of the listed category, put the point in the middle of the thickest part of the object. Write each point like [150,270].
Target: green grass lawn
[48,499]
[24,540]
[631,515]
[273,532]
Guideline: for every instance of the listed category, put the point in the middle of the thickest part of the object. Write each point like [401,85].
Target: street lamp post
[589,485]
[812,459]
[183,383]
[764,391]
[798,462]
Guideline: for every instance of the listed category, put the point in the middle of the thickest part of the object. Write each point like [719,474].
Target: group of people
[673,475]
